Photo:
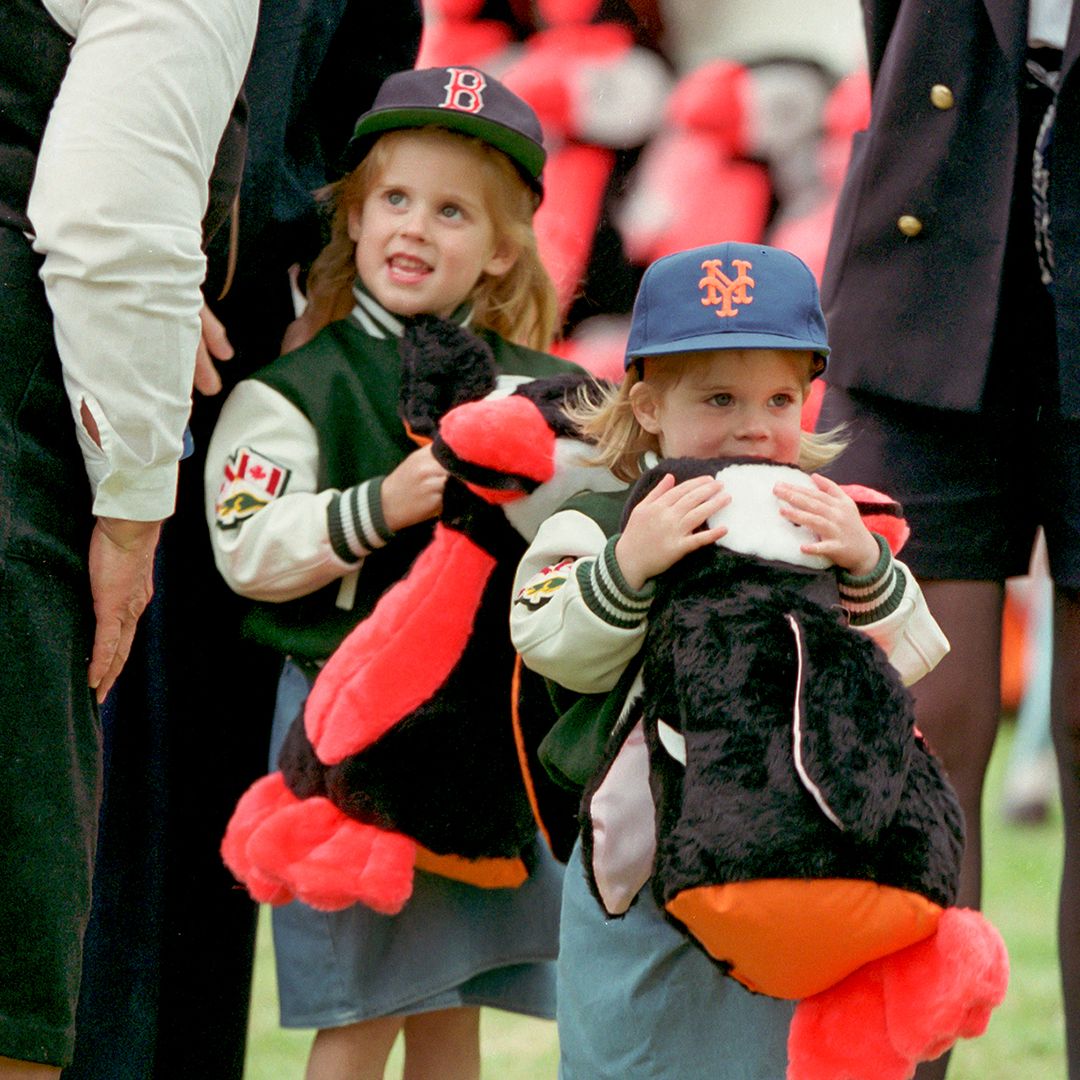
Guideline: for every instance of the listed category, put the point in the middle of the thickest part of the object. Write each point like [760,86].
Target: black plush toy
[791,819]
[416,746]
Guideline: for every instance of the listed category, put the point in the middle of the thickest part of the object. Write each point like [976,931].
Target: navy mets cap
[728,296]
[462,99]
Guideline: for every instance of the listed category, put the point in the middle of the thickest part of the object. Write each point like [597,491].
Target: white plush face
[753,519]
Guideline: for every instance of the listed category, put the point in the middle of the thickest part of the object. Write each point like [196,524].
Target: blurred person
[106,167]
[318,501]
[177,1005]
[955,324]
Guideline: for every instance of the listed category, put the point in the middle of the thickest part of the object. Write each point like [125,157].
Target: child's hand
[413,492]
[832,515]
[660,529]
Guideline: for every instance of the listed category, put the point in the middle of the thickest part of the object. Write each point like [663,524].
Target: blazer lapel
[1072,43]
[1009,20]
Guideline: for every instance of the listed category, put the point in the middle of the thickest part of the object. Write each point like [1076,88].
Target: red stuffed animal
[416,745]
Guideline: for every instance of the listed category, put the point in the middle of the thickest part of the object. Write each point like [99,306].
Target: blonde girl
[318,501]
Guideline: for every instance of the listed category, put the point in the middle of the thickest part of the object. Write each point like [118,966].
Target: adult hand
[121,582]
[662,528]
[213,345]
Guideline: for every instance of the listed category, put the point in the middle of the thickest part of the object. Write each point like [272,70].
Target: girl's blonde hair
[604,415]
[519,305]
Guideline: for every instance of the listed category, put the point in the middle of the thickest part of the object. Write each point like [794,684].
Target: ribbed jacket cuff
[606,592]
[355,521]
[870,597]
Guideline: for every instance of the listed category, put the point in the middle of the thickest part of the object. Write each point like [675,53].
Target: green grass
[1024,1041]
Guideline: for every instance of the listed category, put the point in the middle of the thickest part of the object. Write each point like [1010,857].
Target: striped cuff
[870,597]
[355,521]
[606,593]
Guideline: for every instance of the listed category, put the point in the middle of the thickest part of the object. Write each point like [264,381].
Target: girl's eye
[451,211]
[395,198]
[721,399]
[780,400]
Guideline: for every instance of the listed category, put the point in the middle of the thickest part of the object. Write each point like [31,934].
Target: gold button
[909,225]
[941,97]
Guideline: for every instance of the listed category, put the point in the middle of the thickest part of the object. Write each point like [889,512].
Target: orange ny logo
[725,291]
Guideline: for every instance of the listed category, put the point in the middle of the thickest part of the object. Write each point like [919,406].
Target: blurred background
[672,123]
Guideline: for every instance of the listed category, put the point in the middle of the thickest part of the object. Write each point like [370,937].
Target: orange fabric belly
[790,938]
[486,873]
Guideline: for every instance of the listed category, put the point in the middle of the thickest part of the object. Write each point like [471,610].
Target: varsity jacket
[293,477]
[576,621]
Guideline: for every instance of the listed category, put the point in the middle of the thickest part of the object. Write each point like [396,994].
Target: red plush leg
[260,802]
[910,1006]
[944,988]
[331,861]
[840,1034]
[396,659]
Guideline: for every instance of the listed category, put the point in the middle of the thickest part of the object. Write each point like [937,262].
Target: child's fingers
[695,492]
[661,488]
[830,487]
[704,537]
[802,497]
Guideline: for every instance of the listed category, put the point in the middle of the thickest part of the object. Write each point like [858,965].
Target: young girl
[318,501]
[724,343]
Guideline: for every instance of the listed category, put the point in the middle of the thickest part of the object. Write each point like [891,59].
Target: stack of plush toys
[791,820]
[644,160]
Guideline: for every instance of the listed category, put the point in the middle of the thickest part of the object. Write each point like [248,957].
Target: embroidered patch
[464,91]
[251,482]
[540,589]
[722,291]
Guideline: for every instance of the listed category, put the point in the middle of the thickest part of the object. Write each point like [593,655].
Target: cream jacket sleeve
[575,620]
[117,205]
[272,529]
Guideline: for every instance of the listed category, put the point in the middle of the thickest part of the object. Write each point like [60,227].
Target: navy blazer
[912,282]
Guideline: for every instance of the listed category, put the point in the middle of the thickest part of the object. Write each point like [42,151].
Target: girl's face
[726,403]
[423,235]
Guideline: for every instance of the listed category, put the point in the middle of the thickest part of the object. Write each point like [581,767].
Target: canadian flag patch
[251,482]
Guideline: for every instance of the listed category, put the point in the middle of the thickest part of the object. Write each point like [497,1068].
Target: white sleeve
[117,206]
[574,619]
[270,526]
[909,635]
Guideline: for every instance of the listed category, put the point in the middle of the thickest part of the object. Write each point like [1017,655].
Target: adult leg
[958,706]
[1065,720]
[445,1043]
[355,1051]
[49,739]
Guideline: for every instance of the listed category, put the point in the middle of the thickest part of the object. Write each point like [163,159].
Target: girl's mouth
[407,267]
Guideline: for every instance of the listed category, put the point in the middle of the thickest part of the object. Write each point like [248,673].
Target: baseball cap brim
[728,340]
[521,149]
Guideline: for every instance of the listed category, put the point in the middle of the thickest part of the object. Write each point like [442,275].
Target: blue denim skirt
[637,1000]
[451,945]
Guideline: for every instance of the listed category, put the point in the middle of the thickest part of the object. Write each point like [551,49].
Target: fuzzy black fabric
[720,667]
[442,365]
[551,397]
[448,774]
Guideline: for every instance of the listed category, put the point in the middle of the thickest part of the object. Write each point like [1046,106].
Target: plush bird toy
[416,745]
[790,817]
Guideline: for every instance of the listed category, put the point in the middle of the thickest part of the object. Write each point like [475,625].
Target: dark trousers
[49,737]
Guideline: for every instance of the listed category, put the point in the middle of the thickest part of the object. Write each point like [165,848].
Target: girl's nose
[752,428]
[413,222]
